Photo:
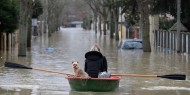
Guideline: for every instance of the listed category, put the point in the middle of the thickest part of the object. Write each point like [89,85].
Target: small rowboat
[94,84]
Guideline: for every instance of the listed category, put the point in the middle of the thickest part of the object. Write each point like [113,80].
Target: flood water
[70,44]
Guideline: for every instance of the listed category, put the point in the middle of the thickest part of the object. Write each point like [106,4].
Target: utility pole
[178,26]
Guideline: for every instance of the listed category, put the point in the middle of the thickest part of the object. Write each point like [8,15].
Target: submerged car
[131,44]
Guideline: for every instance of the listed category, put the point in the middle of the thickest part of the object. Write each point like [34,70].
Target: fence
[167,40]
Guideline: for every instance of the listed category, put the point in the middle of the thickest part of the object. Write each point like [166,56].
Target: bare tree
[52,15]
[93,5]
[54,9]
[100,11]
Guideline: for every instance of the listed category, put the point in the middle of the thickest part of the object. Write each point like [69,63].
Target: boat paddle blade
[15,65]
[174,76]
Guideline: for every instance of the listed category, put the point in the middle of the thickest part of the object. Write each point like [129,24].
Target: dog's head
[75,65]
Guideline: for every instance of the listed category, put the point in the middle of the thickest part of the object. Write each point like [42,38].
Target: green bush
[8,16]
[166,24]
[37,9]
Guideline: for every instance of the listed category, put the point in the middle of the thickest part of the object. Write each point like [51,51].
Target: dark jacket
[95,63]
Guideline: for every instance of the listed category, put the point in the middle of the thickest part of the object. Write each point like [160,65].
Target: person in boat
[95,62]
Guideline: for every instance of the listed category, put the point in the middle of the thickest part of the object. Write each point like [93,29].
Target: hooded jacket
[95,63]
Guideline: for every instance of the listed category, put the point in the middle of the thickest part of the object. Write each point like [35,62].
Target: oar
[171,76]
[19,66]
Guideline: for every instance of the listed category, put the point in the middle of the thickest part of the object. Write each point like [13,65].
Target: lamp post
[178,25]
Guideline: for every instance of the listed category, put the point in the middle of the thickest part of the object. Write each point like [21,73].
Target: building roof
[174,27]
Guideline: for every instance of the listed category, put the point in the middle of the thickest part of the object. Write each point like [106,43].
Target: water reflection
[94,93]
[70,45]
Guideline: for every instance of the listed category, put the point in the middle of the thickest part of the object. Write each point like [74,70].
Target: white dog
[79,72]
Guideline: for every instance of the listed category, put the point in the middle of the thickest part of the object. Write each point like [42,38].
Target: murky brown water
[57,53]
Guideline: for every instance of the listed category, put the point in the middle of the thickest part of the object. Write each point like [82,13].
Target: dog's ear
[72,62]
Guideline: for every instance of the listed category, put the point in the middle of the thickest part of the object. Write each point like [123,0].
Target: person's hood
[93,55]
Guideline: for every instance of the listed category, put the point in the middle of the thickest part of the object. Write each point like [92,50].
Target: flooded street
[71,44]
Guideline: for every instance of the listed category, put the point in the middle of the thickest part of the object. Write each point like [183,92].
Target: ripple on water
[166,88]
[19,88]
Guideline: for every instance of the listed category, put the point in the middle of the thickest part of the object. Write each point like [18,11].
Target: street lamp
[178,25]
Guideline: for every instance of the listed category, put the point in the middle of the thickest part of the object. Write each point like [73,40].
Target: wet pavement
[70,44]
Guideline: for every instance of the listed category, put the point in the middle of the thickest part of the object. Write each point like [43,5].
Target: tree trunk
[29,32]
[7,40]
[104,27]
[49,18]
[116,16]
[4,41]
[1,40]
[23,26]
[99,24]
[144,11]
[95,22]
[112,27]
[116,31]
[104,16]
